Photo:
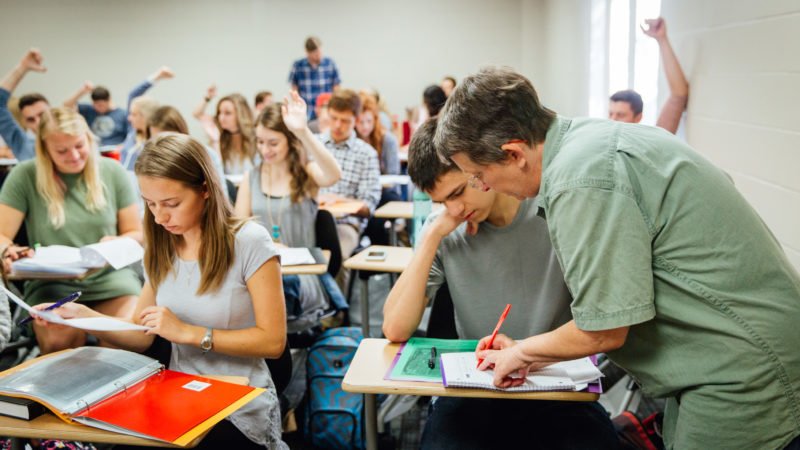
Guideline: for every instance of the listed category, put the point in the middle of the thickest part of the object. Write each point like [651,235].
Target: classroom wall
[742,60]
[248,45]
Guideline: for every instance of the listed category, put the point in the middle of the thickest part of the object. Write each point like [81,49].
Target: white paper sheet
[117,252]
[89,323]
[295,256]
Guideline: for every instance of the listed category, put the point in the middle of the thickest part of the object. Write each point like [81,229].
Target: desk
[308,269]
[372,360]
[397,259]
[399,210]
[21,276]
[342,209]
[49,426]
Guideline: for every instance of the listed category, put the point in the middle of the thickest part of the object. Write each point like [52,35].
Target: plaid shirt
[312,81]
[360,174]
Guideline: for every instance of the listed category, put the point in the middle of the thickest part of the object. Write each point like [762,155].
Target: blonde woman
[230,131]
[69,195]
[213,286]
[140,108]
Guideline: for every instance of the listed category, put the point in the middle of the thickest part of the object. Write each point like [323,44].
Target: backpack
[334,419]
[636,434]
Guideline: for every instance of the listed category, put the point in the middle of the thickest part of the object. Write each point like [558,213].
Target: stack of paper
[70,260]
[295,256]
[460,370]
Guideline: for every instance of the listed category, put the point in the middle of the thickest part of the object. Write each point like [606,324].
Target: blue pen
[67,299]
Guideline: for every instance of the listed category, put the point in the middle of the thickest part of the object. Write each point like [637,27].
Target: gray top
[5,321]
[513,264]
[296,227]
[230,308]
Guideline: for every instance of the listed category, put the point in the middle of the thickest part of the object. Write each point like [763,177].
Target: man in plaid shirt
[314,74]
[360,171]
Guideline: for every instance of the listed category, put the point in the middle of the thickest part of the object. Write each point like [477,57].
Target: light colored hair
[147,106]
[375,138]
[244,120]
[182,158]
[48,184]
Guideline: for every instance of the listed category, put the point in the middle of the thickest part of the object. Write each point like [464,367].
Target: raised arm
[324,169]
[162,73]
[200,110]
[670,115]
[406,302]
[31,60]
[72,101]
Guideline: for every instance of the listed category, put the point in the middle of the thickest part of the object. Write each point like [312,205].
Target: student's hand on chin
[446,223]
[164,323]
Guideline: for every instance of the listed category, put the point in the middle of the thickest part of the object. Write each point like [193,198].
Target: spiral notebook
[460,370]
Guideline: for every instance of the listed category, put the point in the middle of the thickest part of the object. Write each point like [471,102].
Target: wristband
[207,99]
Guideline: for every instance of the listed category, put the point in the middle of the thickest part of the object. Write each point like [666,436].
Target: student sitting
[360,171]
[213,286]
[31,107]
[140,108]
[281,193]
[107,122]
[485,268]
[230,131]
[69,195]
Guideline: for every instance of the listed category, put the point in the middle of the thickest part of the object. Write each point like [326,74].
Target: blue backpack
[334,419]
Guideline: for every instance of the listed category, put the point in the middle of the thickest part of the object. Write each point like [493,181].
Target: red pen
[496,329]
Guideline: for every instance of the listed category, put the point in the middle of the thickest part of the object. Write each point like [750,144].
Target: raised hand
[87,86]
[33,60]
[294,112]
[656,28]
[211,91]
[164,72]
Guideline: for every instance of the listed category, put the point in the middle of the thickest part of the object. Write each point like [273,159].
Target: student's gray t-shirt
[229,308]
[513,264]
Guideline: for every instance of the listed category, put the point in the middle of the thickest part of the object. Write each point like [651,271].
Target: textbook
[461,370]
[20,408]
[68,260]
[125,392]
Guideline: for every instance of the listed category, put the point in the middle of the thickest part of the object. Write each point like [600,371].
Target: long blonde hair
[147,106]
[244,121]
[182,158]
[48,184]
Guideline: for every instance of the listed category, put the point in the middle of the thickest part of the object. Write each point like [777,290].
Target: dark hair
[29,99]
[301,185]
[262,95]
[167,118]
[487,110]
[630,97]
[100,93]
[345,100]
[313,43]
[424,165]
[434,99]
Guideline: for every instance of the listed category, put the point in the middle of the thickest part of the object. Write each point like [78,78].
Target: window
[622,56]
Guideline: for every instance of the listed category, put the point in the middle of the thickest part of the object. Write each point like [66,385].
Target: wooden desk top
[308,269]
[22,276]
[374,356]
[397,259]
[400,210]
[342,209]
[49,426]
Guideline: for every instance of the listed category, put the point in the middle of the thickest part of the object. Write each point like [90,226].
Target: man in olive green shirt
[673,273]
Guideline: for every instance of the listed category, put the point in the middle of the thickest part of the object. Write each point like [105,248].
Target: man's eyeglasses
[475,182]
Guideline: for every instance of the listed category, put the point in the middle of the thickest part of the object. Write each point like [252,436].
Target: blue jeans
[476,423]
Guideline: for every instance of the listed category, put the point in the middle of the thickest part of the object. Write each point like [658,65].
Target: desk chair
[232,191]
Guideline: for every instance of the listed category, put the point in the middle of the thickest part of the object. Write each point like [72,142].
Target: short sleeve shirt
[111,127]
[653,236]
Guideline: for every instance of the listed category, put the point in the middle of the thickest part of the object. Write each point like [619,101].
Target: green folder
[412,360]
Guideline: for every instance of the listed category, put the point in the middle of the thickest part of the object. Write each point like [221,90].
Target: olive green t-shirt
[653,236]
[82,226]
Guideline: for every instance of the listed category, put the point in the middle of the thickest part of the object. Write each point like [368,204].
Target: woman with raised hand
[213,286]
[230,131]
[69,195]
[281,193]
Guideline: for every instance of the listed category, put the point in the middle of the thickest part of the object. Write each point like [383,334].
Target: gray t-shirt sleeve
[255,248]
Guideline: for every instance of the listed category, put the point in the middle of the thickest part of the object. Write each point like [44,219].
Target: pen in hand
[67,299]
[21,250]
[496,329]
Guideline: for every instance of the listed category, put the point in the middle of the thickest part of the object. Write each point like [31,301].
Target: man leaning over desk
[487,267]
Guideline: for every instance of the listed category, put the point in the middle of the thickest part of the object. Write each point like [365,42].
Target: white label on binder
[196,385]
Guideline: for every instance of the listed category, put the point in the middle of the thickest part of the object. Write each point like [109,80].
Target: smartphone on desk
[376,255]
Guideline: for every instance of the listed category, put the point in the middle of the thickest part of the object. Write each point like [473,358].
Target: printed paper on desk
[295,256]
[87,323]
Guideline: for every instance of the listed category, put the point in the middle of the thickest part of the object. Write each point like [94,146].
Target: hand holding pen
[13,253]
[58,304]
[496,329]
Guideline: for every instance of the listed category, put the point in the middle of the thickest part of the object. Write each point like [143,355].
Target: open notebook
[68,260]
[127,393]
[460,370]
